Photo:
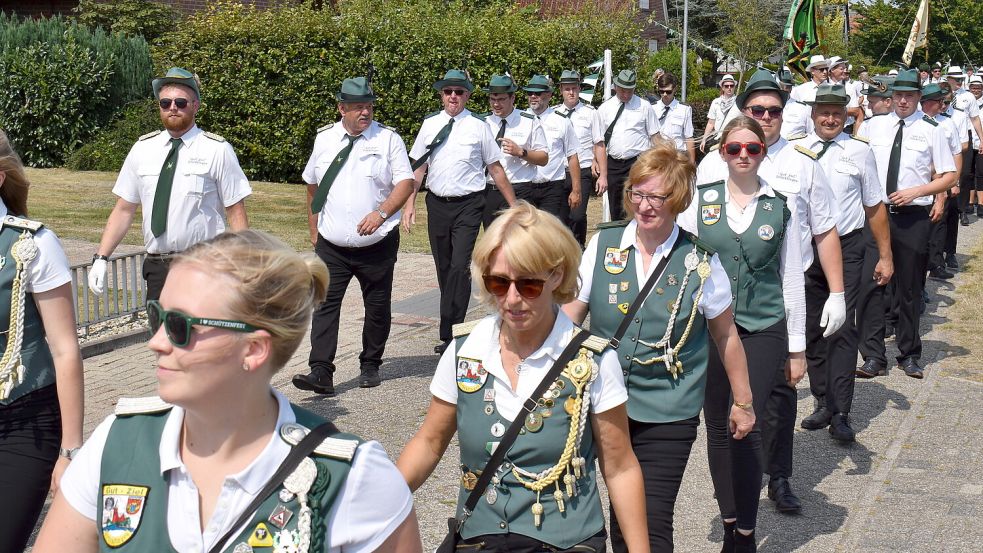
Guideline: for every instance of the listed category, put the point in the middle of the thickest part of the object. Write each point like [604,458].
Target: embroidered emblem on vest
[122,509]
[471,375]
[615,260]
[710,214]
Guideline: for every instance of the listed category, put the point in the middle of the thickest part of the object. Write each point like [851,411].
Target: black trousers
[910,228]
[972,166]
[870,306]
[942,241]
[617,177]
[577,218]
[518,543]
[550,196]
[30,435]
[372,266]
[155,268]
[736,465]
[662,450]
[452,225]
[832,360]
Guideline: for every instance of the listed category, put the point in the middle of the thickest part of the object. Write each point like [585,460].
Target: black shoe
[840,428]
[728,546]
[911,368]
[979,210]
[951,263]
[818,419]
[870,369]
[939,272]
[369,378]
[786,502]
[441,347]
[964,219]
[320,382]
[745,544]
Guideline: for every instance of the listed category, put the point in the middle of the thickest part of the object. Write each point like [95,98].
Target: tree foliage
[753,29]
[145,18]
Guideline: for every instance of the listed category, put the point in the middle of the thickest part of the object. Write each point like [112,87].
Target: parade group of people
[714,289]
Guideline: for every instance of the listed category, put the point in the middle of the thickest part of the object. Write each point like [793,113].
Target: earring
[245,366]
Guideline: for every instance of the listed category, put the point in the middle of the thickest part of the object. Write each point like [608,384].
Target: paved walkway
[910,483]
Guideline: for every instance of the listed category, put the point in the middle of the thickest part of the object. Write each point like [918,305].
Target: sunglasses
[752,148]
[654,200]
[758,112]
[535,93]
[177,325]
[666,92]
[181,103]
[453,91]
[529,288]
[728,86]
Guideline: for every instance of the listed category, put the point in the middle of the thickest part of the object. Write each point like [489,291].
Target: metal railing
[125,292]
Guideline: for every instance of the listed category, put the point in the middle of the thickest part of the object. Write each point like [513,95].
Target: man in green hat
[914,163]
[523,145]
[452,150]
[187,183]
[358,177]
[592,154]
[552,193]
[631,127]
[851,170]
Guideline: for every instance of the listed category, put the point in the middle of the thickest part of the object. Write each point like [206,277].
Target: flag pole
[685,59]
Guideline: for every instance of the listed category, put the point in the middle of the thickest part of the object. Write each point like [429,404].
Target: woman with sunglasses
[754,231]
[544,496]
[176,472]
[40,423]
[663,354]
[720,108]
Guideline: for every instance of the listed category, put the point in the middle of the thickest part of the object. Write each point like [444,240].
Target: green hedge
[108,148]
[269,77]
[59,82]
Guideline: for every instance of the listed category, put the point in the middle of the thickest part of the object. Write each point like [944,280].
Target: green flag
[802,34]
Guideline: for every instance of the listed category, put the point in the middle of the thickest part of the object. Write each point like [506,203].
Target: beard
[182,121]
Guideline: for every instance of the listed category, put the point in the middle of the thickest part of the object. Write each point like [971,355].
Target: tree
[753,29]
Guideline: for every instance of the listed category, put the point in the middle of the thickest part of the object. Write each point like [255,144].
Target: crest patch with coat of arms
[710,213]
[615,260]
[122,509]
[471,375]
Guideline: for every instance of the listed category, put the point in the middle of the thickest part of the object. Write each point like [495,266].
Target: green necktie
[610,131]
[329,176]
[437,141]
[826,145]
[894,164]
[501,133]
[162,196]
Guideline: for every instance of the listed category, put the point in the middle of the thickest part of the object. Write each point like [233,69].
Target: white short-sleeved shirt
[718,112]
[969,121]
[796,120]
[207,180]
[677,125]
[376,163]
[633,131]
[962,124]
[457,167]
[586,123]
[525,131]
[607,392]
[951,131]
[805,92]
[716,290]
[50,269]
[562,142]
[964,100]
[923,150]
[792,272]
[358,520]
[851,172]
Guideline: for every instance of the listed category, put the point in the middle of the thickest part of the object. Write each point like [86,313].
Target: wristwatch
[382,214]
[96,256]
[68,453]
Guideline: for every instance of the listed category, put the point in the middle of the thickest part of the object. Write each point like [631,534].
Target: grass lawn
[76,205]
[965,318]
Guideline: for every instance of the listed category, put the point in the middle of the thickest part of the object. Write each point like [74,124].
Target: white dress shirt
[561,141]
[951,131]
[633,131]
[50,268]
[796,120]
[207,180]
[527,133]
[376,163]
[677,125]
[805,92]
[964,100]
[457,167]
[586,123]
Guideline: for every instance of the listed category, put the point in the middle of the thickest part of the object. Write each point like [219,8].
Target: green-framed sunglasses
[178,325]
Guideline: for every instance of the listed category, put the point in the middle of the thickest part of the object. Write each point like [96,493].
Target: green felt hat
[356,90]
[785,77]
[830,94]
[454,77]
[569,76]
[907,81]
[932,91]
[176,75]
[885,91]
[762,80]
[925,67]
[501,84]
[626,79]
[539,83]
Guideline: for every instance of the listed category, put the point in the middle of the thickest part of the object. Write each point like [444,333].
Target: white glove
[834,313]
[97,277]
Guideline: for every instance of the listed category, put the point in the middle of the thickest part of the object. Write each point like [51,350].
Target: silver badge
[243,548]
[492,495]
[671,280]
[691,261]
[612,288]
[285,495]
[766,206]
[498,430]
[710,196]
[489,394]
[489,409]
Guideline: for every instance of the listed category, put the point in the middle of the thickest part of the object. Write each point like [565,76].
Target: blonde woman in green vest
[185,471]
[40,424]
[663,353]
[544,496]
[756,235]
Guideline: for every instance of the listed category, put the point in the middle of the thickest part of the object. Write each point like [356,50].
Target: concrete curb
[116,341]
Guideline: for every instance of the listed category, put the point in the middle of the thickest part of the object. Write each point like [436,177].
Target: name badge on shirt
[202,161]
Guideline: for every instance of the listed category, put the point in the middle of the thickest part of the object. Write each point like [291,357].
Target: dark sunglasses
[535,93]
[177,325]
[453,91]
[529,288]
[666,92]
[752,148]
[727,86]
[759,112]
[181,103]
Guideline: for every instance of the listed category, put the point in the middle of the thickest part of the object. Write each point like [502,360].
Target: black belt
[162,256]
[449,199]
[490,186]
[852,233]
[907,209]
[625,160]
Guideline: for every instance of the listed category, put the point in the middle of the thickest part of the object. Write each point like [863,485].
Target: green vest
[35,356]
[654,393]
[533,451]
[752,259]
[133,492]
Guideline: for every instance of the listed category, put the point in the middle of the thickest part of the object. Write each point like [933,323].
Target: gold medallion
[469,480]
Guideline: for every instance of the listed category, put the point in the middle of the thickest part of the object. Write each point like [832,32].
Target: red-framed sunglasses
[752,148]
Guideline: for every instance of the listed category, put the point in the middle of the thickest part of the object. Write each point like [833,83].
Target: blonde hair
[746,123]
[676,170]
[277,290]
[15,185]
[534,242]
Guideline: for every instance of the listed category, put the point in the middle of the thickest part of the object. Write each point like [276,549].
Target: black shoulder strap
[642,294]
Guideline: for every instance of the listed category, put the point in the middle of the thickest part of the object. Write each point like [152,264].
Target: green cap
[785,77]
[356,90]
[932,91]
[762,80]
[539,83]
[177,75]
[500,84]
[925,67]
[454,77]
[830,94]
[626,79]
[907,81]
[569,76]
[883,87]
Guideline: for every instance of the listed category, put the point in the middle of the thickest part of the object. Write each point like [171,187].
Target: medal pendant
[491,496]
[703,270]
[498,430]
[469,480]
[691,261]
[534,422]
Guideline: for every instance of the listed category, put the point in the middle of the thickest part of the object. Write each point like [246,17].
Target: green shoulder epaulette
[387,127]
[324,128]
[863,139]
[781,196]
[481,116]
[140,406]
[335,448]
[429,115]
[613,224]
[699,243]
[527,114]
[465,328]
[798,136]
[596,343]
[806,151]
[214,136]
[928,119]
[707,184]
[562,113]
[22,223]
[957,108]
[150,135]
